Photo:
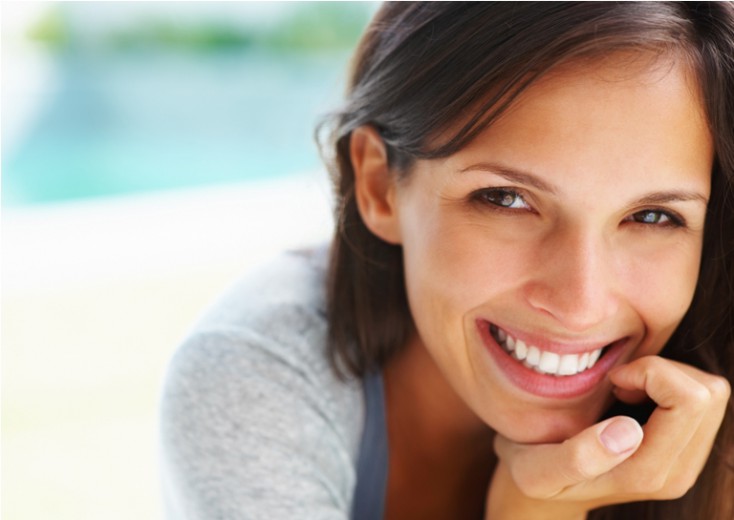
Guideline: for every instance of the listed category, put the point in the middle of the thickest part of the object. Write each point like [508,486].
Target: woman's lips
[562,382]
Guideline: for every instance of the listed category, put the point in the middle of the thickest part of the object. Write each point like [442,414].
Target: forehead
[636,115]
[635,80]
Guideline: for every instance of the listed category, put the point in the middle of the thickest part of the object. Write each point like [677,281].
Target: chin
[546,426]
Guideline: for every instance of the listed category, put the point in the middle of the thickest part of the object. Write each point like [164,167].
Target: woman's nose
[574,281]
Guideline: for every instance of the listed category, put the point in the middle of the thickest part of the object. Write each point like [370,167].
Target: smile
[555,371]
[543,361]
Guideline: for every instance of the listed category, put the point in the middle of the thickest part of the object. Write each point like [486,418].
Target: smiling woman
[526,311]
[557,260]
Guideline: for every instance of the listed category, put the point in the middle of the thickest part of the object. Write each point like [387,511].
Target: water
[119,123]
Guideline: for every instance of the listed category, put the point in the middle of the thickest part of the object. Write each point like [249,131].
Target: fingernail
[621,436]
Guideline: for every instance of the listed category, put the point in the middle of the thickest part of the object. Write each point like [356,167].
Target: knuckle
[528,484]
[536,492]
[577,467]
[698,395]
[657,362]
[532,485]
[661,486]
[676,488]
[653,366]
[719,388]
[649,363]
[648,483]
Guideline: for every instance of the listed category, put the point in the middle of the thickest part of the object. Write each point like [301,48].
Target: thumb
[547,470]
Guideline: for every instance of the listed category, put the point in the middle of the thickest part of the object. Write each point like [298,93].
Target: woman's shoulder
[277,308]
[271,320]
[293,278]
[251,390]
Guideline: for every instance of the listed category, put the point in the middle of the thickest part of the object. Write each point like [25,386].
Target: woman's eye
[656,217]
[504,198]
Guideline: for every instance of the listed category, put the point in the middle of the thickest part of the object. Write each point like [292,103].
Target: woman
[527,309]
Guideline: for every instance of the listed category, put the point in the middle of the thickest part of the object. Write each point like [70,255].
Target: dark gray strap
[369,495]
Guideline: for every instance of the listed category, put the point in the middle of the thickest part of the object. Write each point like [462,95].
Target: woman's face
[572,225]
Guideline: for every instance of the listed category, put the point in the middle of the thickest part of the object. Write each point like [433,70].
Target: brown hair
[423,69]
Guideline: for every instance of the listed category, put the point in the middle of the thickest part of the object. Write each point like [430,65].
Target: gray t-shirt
[255,424]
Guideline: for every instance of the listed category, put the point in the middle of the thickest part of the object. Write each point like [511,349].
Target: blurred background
[151,153]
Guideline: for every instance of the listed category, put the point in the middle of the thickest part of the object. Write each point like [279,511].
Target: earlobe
[374,184]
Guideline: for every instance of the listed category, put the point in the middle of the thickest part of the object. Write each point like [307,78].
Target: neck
[423,400]
[441,453]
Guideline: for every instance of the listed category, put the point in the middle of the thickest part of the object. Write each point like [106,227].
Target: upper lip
[554,343]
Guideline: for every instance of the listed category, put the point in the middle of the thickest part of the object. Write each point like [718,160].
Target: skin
[604,172]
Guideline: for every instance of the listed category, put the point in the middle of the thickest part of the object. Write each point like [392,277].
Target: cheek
[459,266]
[661,289]
[447,275]
[438,278]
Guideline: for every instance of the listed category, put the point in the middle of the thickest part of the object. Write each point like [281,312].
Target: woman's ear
[374,185]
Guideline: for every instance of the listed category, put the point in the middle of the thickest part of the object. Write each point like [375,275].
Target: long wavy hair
[424,70]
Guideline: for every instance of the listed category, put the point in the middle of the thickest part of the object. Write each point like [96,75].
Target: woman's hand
[616,460]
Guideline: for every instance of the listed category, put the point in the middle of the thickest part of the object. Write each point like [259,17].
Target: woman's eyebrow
[521,177]
[513,175]
[663,197]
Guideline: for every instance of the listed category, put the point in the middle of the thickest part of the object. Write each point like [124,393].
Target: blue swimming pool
[132,122]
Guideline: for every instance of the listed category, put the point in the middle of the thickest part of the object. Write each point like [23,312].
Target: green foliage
[321,25]
[50,29]
[308,26]
[167,35]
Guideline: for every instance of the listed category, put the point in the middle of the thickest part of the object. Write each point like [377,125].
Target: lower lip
[545,385]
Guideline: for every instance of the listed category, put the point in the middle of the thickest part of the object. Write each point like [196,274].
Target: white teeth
[583,362]
[533,356]
[569,365]
[547,362]
[521,351]
[594,357]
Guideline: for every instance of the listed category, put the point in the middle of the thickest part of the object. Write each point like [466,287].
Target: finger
[719,391]
[683,401]
[678,440]
[548,470]
[692,459]
[666,382]
[689,464]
